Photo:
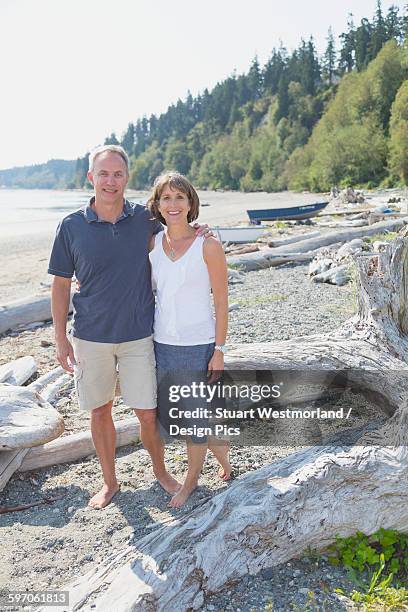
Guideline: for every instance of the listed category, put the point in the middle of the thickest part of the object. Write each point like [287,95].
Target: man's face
[109,178]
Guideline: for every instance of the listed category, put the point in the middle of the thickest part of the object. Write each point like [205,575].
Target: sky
[73,71]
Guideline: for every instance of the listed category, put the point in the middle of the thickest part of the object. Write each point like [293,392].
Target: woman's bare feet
[225,471]
[103,497]
[169,484]
[180,498]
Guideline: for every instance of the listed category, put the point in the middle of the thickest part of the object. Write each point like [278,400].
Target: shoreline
[24,257]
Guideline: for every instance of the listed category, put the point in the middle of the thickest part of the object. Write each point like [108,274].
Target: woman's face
[174,205]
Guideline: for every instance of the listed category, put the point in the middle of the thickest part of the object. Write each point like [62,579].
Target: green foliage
[349,143]
[398,160]
[378,564]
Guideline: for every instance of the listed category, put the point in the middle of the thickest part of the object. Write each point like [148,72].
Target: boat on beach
[240,233]
[285,214]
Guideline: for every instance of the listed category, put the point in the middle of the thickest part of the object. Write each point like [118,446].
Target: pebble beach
[46,546]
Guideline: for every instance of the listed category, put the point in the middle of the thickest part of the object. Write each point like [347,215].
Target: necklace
[172,252]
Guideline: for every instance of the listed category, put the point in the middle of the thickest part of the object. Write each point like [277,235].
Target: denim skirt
[179,366]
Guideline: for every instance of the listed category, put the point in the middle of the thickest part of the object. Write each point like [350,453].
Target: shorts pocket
[78,376]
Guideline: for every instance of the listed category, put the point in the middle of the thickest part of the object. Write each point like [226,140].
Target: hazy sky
[72,71]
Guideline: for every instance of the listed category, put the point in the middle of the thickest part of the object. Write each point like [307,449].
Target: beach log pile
[305,249]
[304,500]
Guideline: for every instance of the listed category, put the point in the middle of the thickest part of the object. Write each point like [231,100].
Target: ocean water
[36,211]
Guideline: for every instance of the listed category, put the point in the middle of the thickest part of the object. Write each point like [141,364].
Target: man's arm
[60,297]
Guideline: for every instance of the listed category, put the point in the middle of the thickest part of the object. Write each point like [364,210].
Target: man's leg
[150,436]
[95,379]
[104,439]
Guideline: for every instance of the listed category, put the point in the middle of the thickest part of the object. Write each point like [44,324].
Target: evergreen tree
[255,80]
[379,33]
[363,44]
[273,70]
[128,139]
[111,140]
[347,61]
[393,24]
[283,98]
[329,59]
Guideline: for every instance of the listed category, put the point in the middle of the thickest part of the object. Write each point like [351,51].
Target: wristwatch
[220,347]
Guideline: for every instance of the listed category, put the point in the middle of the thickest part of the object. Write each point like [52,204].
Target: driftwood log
[48,385]
[268,257]
[76,446]
[32,309]
[304,500]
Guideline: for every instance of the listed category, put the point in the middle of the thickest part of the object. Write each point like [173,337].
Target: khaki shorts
[100,363]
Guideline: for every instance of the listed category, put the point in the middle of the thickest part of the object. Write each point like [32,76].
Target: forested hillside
[301,121]
[56,173]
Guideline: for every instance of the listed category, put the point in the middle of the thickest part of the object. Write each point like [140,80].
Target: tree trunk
[304,500]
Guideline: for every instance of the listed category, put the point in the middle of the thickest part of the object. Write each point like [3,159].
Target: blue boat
[285,214]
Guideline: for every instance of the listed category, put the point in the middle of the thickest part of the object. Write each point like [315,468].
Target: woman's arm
[151,243]
[214,257]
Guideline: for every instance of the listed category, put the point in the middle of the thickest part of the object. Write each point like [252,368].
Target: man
[106,246]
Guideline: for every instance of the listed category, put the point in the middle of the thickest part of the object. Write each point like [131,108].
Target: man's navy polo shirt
[115,302]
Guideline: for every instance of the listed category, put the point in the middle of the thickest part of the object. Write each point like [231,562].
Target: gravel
[47,545]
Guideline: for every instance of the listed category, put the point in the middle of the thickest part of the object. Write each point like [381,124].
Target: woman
[185,269]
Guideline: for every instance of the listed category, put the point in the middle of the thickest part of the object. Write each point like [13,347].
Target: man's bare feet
[103,497]
[169,484]
[180,498]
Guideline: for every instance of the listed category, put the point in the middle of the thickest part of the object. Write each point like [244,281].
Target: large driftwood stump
[275,513]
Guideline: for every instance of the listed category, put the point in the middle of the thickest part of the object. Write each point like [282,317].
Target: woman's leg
[196,455]
[220,450]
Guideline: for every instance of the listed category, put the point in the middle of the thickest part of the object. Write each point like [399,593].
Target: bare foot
[225,473]
[169,484]
[180,498]
[225,470]
[103,497]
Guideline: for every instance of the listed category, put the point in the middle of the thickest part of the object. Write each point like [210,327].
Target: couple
[107,246]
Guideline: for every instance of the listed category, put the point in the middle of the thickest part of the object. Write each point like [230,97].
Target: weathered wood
[244,264]
[265,257]
[76,446]
[17,372]
[10,461]
[304,500]
[32,309]
[49,384]
[278,242]
[26,419]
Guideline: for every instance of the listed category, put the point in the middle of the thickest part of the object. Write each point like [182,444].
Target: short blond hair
[178,181]
[108,149]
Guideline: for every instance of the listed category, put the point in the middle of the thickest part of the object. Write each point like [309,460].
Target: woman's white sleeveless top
[183,312]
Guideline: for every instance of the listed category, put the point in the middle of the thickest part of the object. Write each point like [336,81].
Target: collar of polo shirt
[91,216]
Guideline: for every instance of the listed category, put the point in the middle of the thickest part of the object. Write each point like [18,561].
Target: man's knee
[102,412]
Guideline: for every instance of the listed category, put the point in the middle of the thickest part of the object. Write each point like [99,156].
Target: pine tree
[329,58]
[347,61]
[273,70]
[255,79]
[379,34]
[363,38]
[111,140]
[128,139]
[393,24]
